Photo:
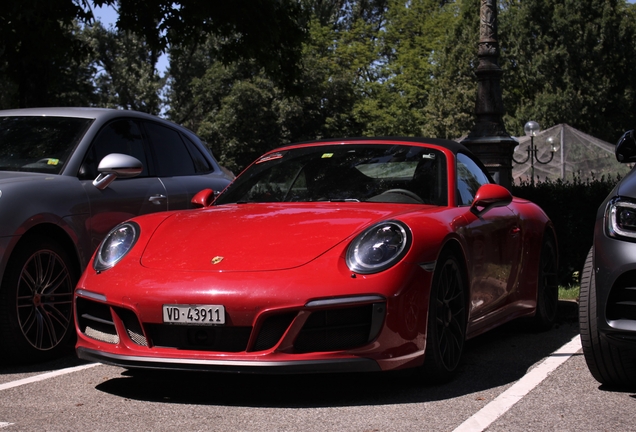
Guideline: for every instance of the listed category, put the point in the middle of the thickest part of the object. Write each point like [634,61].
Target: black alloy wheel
[36,302]
[547,287]
[447,316]
[611,365]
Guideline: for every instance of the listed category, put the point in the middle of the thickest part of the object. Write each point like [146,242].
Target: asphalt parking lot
[497,367]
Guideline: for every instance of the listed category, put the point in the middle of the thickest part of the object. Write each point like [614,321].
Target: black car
[607,311]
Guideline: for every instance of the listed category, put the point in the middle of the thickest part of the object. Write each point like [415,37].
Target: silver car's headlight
[119,241]
[379,247]
[620,217]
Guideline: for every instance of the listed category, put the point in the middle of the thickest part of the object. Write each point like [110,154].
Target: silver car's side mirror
[116,165]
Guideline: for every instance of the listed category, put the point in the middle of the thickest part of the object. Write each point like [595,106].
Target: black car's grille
[340,329]
[621,304]
[204,338]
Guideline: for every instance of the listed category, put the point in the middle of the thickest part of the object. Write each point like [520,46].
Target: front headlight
[379,247]
[119,241]
[621,218]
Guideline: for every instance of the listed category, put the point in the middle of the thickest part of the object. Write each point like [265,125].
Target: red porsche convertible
[340,255]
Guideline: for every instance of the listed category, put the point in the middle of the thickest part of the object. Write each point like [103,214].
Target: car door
[180,165]
[493,239]
[123,198]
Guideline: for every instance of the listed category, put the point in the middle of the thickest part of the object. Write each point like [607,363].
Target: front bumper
[614,269]
[256,367]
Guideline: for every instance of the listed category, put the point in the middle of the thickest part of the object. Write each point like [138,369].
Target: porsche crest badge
[217,259]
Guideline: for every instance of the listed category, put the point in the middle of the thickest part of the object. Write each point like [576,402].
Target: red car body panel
[262,260]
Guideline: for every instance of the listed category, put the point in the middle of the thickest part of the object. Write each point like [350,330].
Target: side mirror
[203,198]
[626,148]
[489,196]
[116,165]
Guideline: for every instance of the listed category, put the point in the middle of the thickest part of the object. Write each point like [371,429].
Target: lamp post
[531,129]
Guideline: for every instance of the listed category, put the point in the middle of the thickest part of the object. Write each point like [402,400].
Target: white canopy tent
[578,154]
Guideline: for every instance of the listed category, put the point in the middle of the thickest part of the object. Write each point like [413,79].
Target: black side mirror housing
[626,148]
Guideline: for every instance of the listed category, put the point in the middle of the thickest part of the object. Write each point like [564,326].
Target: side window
[470,177]
[171,154]
[201,164]
[120,136]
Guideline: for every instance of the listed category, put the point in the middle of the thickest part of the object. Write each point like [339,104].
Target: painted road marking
[502,403]
[45,376]
[3,425]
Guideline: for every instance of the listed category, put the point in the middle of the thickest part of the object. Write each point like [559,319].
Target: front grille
[133,328]
[621,304]
[340,329]
[96,321]
[202,338]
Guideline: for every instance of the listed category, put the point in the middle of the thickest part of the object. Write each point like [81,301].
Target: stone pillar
[488,138]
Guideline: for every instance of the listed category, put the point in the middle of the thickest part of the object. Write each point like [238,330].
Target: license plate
[194,314]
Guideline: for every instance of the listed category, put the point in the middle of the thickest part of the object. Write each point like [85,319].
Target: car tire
[547,288]
[610,365]
[36,302]
[447,316]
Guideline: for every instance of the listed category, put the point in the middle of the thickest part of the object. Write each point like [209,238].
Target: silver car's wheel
[609,364]
[36,302]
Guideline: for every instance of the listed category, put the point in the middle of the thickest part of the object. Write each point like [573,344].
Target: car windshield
[357,172]
[38,144]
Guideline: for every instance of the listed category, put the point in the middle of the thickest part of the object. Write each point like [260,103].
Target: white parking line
[3,425]
[502,403]
[45,376]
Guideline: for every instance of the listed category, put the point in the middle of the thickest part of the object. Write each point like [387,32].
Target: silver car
[67,176]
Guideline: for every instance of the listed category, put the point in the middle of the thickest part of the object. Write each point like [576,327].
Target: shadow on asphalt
[497,358]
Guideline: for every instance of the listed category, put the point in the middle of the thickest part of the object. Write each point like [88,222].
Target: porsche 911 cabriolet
[328,256]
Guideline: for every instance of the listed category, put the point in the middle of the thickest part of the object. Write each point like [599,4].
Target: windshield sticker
[52,161]
[327,155]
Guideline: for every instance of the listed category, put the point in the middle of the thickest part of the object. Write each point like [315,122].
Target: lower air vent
[340,329]
[272,330]
[96,321]
[621,304]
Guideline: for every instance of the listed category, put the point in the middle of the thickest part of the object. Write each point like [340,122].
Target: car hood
[258,237]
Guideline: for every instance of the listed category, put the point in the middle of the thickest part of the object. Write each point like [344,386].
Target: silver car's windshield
[39,144]
[358,172]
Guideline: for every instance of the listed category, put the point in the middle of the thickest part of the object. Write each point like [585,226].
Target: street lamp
[531,129]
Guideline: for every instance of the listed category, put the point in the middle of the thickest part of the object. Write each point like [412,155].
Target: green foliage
[42,61]
[572,207]
[126,76]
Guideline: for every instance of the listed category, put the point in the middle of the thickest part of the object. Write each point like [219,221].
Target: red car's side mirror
[203,198]
[489,196]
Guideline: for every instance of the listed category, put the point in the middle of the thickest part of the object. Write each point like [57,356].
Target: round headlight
[379,247]
[119,241]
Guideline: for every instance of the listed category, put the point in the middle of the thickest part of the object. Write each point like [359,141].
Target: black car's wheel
[547,287]
[446,321]
[36,302]
[610,365]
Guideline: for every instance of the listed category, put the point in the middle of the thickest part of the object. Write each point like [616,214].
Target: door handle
[156,199]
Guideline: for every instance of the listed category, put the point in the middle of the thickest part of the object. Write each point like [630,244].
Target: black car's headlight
[379,247]
[620,217]
[119,241]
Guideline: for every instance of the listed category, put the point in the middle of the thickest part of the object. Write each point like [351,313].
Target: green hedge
[572,207]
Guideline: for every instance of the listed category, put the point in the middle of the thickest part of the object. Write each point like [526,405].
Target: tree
[126,75]
[269,32]
[42,62]
[569,62]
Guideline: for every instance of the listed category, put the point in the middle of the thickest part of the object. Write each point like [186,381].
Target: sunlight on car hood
[257,237]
